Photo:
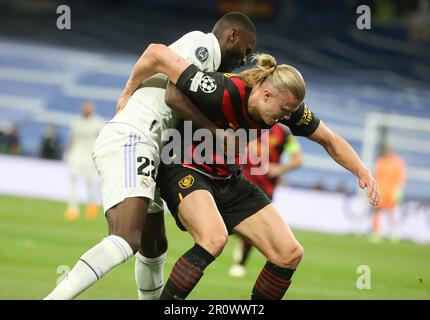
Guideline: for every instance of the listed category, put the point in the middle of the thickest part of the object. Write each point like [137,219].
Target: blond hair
[283,77]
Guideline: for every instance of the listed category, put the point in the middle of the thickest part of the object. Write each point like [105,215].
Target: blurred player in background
[280,141]
[83,134]
[127,155]
[390,173]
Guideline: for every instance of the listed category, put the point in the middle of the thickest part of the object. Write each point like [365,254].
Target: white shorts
[126,162]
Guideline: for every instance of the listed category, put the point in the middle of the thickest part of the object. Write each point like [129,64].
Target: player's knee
[289,258]
[214,244]
[132,237]
[134,242]
[293,256]
[297,253]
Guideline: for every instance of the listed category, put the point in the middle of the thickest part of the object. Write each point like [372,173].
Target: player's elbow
[155,52]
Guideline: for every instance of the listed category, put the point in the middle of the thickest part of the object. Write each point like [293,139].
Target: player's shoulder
[200,48]
[196,37]
[195,33]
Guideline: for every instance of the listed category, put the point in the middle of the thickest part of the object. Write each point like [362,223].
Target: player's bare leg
[199,215]
[125,221]
[151,256]
[268,232]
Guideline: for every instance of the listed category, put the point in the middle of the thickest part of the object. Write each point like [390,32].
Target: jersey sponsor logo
[202,54]
[186,182]
[207,84]
[305,119]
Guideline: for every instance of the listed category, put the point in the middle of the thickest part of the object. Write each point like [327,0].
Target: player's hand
[366,180]
[275,170]
[122,102]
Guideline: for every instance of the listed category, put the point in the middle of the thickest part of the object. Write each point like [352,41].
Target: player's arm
[296,161]
[157,58]
[304,123]
[342,152]
[179,102]
[199,106]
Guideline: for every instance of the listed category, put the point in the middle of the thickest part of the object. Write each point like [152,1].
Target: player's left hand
[366,180]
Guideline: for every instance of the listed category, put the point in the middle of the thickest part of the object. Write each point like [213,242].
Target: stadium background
[46,74]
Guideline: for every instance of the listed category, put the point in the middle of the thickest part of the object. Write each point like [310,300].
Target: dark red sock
[186,273]
[272,283]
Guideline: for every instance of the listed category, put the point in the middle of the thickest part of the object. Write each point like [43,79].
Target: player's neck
[252,105]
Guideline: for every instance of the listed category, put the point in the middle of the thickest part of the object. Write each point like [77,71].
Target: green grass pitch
[35,241]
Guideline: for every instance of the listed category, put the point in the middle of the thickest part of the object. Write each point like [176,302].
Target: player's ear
[266,94]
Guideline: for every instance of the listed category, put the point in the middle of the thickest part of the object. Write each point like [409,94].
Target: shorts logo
[207,84]
[144,182]
[202,54]
[186,182]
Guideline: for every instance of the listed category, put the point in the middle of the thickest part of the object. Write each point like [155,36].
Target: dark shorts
[236,198]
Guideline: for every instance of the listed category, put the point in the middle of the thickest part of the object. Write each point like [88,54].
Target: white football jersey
[146,109]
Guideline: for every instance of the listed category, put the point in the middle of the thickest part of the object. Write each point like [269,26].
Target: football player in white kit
[127,154]
[83,134]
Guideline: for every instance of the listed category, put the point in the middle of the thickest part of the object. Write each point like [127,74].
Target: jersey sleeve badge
[202,54]
[208,84]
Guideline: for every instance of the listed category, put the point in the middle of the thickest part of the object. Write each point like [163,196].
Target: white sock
[149,276]
[93,265]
